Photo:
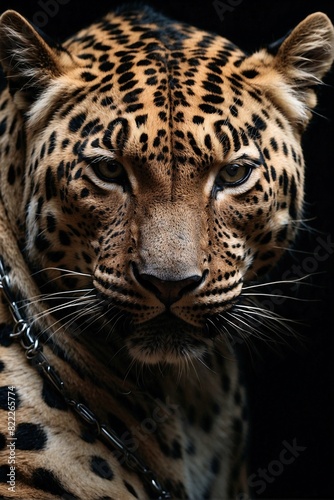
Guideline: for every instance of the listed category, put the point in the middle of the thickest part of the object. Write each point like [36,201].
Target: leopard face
[163,169]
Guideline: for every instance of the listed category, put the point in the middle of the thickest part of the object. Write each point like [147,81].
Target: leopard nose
[169,291]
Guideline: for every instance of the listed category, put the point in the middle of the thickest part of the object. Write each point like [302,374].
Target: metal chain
[22,332]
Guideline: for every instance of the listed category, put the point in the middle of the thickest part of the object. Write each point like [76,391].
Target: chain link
[22,332]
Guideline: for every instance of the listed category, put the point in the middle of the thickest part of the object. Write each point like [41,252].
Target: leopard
[150,172]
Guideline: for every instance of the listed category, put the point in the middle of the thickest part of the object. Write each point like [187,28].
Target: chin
[166,339]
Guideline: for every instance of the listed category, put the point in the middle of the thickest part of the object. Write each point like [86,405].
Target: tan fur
[168,243]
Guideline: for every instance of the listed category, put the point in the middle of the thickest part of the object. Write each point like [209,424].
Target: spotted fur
[148,171]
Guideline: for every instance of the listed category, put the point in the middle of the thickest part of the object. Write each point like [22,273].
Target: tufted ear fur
[304,58]
[29,62]
[307,53]
[300,62]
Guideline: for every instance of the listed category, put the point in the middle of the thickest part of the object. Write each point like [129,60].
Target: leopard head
[160,168]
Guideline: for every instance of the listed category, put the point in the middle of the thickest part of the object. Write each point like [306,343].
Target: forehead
[179,71]
[160,88]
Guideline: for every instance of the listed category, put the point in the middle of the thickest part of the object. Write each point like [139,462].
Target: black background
[290,386]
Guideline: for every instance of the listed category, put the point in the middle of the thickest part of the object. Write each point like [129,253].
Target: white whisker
[77,315]
[280,282]
[276,295]
[38,299]
[73,303]
[60,269]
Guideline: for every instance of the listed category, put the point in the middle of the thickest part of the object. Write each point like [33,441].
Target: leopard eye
[233,174]
[109,171]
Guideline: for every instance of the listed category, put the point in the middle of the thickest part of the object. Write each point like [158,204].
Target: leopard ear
[302,59]
[28,60]
[307,53]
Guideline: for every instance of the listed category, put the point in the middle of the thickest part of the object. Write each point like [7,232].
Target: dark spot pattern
[3,441]
[52,398]
[169,106]
[11,176]
[130,489]
[4,393]
[5,331]
[30,437]
[4,472]
[45,480]
[101,468]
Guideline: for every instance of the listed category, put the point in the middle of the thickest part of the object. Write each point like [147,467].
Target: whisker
[260,333]
[276,295]
[265,313]
[56,296]
[73,303]
[111,317]
[280,282]
[132,363]
[60,269]
[76,314]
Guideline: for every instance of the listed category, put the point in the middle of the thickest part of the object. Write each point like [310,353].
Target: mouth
[166,339]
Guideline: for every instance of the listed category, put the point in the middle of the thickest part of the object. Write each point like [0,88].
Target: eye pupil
[109,171]
[233,175]
[232,170]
